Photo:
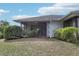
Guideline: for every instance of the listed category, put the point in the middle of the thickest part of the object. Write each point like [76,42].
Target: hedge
[12,32]
[69,34]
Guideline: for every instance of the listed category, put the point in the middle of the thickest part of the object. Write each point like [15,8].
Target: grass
[37,47]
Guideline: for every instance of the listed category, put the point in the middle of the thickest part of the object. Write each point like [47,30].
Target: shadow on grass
[28,39]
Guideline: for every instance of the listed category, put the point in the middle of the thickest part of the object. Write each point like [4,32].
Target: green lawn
[36,47]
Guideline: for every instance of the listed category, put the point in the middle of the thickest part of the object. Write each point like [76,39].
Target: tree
[3,26]
[5,23]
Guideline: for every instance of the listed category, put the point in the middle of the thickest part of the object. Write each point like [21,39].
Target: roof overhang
[46,18]
[69,16]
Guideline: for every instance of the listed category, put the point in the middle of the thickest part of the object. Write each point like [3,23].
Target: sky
[14,11]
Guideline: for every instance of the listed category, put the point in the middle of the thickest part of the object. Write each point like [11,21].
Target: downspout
[50,36]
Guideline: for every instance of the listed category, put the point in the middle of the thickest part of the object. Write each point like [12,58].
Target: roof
[41,18]
[71,15]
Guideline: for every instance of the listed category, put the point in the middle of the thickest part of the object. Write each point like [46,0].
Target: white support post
[22,26]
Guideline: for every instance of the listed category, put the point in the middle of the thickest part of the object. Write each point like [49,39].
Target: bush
[67,34]
[1,35]
[13,32]
[32,33]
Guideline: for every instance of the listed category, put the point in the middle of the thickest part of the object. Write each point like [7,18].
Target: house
[71,20]
[49,23]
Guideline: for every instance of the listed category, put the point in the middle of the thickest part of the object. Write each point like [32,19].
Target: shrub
[67,34]
[32,33]
[1,35]
[58,33]
[13,32]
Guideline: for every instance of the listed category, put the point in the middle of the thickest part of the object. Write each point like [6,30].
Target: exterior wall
[27,27]
[74,24]
[70,22]
[78,21]
[52,26]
